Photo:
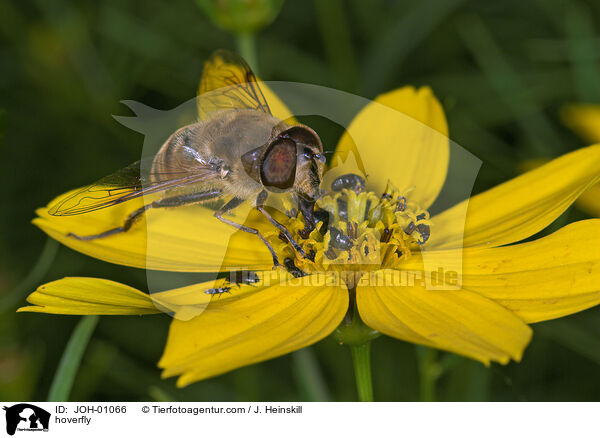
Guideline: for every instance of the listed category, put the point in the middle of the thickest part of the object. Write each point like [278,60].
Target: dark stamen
[401,204]
[349,181]
[387,234]
[425,232]
[352,230]
[322,216]
[339,240]
[367,208]
[342,209]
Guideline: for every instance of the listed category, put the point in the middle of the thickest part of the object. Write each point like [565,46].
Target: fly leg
[307,208]
[173,201]
[235,202]
[260,207]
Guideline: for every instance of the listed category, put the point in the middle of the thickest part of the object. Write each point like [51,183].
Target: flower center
[357,230]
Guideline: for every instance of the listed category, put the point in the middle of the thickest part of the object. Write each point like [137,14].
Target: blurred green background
[502,71]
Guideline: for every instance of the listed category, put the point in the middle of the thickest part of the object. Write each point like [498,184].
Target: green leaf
[71,358]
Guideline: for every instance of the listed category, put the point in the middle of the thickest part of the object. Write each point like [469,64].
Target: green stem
[335,31]
[246,46]
[429,371]
[358,336]
[361,358]
[71,358]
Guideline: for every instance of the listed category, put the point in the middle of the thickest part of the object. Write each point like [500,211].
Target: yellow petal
[402,136]
[520,207]
[584,120]
[213,78]
[252,328]
[589,201]
[184,239]
[89,296]
[548,278]
[83,296]
[459,321]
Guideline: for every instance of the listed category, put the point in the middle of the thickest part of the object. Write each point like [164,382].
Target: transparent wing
[228,83]
[135,180]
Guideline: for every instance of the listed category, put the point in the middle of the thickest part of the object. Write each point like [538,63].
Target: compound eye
[320,157]
[303,135]
[278,169]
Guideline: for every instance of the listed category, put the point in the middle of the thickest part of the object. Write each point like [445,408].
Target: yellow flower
[483,312]
[584,119]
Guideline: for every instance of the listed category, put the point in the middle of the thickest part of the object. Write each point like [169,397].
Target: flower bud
[241,16]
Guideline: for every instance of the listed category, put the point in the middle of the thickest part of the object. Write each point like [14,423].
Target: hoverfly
[237,149]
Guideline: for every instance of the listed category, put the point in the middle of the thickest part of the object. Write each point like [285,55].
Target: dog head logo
[26,417]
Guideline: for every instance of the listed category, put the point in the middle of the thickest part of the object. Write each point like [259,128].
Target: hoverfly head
[310,160]
[293,160]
